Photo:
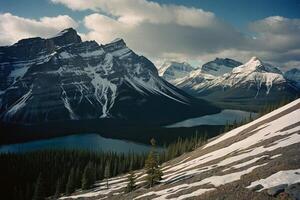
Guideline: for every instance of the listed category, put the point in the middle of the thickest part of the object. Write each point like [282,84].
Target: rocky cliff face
[63,78]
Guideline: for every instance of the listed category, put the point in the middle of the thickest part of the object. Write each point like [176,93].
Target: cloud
[166,31]
[14,28]
[277,33]
[153,39]
[139,11]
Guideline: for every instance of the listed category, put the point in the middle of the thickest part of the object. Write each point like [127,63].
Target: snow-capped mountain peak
[255,64]
[172,70]
[253,80]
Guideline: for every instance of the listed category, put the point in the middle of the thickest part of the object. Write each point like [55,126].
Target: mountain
[62,84]
[259,160]
[194,81]
[251,85]
[293,76]
[219,66]
[171,70]
[186,77]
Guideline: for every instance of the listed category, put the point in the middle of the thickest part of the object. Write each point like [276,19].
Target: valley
[84,120]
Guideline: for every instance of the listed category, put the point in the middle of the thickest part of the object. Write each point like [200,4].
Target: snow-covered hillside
[259,160]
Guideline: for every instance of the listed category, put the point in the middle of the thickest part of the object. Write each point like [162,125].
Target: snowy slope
[249,162]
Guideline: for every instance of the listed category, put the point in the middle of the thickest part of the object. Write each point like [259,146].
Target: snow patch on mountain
[288,177]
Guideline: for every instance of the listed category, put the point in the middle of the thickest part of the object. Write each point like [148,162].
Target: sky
[194,31]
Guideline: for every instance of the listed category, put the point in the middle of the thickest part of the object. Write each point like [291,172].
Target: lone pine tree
[131,183]
[154,174]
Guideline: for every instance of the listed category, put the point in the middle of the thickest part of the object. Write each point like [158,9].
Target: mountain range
[62,84]
[229,83]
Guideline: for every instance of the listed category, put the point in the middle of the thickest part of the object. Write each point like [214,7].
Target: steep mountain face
[293,76]
[171,70]
[259,160]
[63,78]
[219,66]
[251,85]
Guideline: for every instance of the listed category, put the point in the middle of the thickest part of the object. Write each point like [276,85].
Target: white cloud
[138,11]
[14,28]
[276,41]
[277,33]
[161,31]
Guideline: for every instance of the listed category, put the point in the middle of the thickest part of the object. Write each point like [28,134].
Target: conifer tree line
[270,107]
[35,175]
[39,174]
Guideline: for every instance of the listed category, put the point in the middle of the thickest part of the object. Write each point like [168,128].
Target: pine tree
[70,187]
[131,183]
[58,189]
[77,178]
[107,172]
[39,191]
[154,174]
[88,177]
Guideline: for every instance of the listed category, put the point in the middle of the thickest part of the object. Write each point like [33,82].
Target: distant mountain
[219,66]
[194,81]
[252,85]
[171,70]
[293,76]
[259,160]
[184,76]
[62,84]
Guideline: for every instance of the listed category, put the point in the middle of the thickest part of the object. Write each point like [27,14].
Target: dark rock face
[276,190]
[293,191]
[220,66]
[63,78]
